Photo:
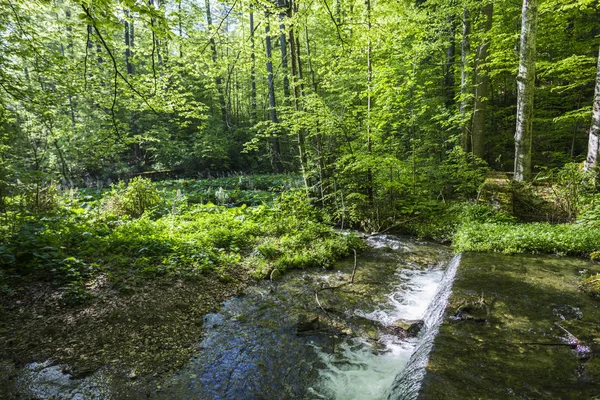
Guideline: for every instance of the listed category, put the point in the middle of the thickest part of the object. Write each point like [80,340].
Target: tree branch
[114,62]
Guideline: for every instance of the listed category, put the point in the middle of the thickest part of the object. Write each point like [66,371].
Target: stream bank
[142,333]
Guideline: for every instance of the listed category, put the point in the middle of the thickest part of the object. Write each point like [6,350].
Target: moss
[526,311]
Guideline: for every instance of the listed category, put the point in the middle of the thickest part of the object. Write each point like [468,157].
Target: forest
[212,144]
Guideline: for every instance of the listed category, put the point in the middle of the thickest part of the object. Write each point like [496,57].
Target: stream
[309,335]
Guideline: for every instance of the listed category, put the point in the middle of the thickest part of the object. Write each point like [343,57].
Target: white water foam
[407,384]
[357,370]
[387,241]
[410,299]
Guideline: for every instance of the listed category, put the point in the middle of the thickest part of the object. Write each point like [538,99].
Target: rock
[307,323]
[406,328]
[496,191]
[132,375]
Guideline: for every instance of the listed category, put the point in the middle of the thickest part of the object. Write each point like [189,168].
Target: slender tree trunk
[276,158]
[299,62]
[284,57]
[525,91]
[128,44]
[465,50]
[252,69]
[311,70]
[180,26]
[318,135]
[294,60]
[450,60]
[482,84]
[370,194]
[155,41]
[592,155]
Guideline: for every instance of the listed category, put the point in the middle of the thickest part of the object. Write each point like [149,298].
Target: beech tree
[526,88]
[482,83]
[594,135]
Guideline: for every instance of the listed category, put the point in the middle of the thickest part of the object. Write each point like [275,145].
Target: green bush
[133,199]
[591,285]
[127,235]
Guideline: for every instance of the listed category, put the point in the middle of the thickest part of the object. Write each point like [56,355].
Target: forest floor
[149,331]
[89,286]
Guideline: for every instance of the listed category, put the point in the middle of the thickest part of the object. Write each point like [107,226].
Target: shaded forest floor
[151,330]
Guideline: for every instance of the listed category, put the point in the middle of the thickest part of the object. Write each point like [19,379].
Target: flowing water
[408,382]
[310,335]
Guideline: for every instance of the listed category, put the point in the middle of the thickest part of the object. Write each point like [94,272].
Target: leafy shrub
[123,238]
[591,285]
[133,199]
[590,217]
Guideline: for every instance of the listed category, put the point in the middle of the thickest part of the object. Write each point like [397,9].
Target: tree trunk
[275,159]
[592,156]
[180,25]
[525,91]
[482,84]
[295,64]
[284,57]
[370,194]
[450,60]
[465,49]
[252,69]
[128,44]
[155,41]
[318,135]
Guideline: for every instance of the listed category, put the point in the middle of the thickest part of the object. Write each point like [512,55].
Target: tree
[482,83]
[594,135]
[465,49]
[526,87]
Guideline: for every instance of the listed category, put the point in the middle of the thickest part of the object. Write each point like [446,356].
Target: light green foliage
[115,236]
[570,186]
[522,238]
[591,285]
[479,213]
[132,199]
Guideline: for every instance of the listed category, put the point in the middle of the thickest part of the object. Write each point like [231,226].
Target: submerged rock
[307,323]
[405,328]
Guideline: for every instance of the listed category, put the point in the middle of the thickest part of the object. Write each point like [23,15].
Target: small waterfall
[407,383]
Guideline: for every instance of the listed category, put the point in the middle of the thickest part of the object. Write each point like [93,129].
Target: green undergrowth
[135,232]
[539,237]
[484,230]
[250,190]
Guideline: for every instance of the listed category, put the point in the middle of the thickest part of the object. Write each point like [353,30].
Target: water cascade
[408,382]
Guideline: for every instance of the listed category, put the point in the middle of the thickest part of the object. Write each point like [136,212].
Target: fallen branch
[353,270]
[546,344]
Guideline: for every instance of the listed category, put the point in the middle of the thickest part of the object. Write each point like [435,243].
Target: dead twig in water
[354,269]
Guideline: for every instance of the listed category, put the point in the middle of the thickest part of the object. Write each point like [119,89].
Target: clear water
[252,348]
[358,370]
